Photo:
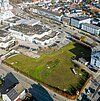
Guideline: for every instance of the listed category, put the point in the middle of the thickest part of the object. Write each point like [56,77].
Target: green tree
[83,38]
[88,1]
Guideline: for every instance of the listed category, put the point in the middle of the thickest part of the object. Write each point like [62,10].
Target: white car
[88,92]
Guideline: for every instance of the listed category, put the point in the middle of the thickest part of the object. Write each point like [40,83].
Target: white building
[5,10]
[28,33]
[95,30]
[5,39]
[46,13]
[6,15]
[5,6]
[95,58]
[37,34]
[30,22]
[47,39]
[77,21]
[17,21]
[17,93]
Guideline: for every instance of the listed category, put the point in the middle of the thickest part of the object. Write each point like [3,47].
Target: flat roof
[28,22]
[97,47]
[47,37]
[4,25]
[13,19]
[79,18]
[45,10]
[92,26]
[30,30]
[7,40]
[3,33]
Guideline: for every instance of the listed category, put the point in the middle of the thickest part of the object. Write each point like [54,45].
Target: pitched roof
[12,94]
[15,92]
[9,82]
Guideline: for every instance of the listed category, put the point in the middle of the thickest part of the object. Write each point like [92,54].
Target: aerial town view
[49,50]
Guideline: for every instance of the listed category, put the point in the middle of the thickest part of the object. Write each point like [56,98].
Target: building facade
[46,13]
[5,10]
[17,93]
[77,21]
[95,58]
[6,40]
[95,30]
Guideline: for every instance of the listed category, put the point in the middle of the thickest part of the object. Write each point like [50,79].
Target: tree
[83,38]
[88,1]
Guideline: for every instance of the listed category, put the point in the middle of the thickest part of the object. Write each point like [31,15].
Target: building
[30,22]
[28,33]
[77,21]
[95,21]
[5,10]
[17,93]
[35,1]
[66,21]
[17,21]
[49,14]
[11,89]
[95,58]
[12,21]
[5,6]
[6,40]
[95,30]
[48,39]
[37,34]
[9,82]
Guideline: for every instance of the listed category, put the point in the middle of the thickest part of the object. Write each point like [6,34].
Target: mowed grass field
[54,68]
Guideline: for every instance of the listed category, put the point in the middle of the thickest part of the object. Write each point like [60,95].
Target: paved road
[26,82]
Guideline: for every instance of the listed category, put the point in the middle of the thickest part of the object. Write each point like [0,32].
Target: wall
[91,30]
[93,62]
[77,23]
[49,15]
[5,97]
[24,37]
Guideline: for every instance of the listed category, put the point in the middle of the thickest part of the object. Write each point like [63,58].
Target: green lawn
[54,68]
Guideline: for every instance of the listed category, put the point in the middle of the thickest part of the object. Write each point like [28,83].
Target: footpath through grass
[54,68]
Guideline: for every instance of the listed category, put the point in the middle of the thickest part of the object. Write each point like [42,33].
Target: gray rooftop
[4,25]
[92,26]
[47,37]
[80,18]
[97,48]
[3,33]
[14,93]
[13,19]
[7,40]
[45,10]
[30,30]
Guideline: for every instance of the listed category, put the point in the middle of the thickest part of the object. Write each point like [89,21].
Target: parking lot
[28,52]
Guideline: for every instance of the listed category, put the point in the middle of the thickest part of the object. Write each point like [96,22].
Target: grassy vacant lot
[54,68]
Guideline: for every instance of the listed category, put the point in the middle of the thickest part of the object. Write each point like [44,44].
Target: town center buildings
[6,40]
